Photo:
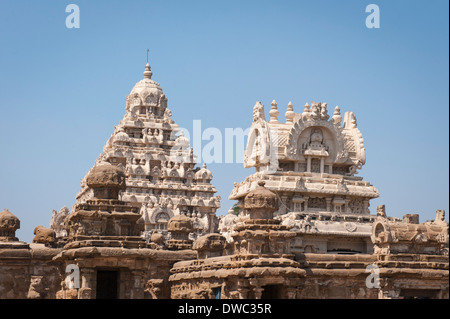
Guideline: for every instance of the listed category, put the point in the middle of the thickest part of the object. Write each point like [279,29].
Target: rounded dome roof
[8,220]
[145,87]
[204,173]
[180,223]
[182,141]
[261,197]
[122,136]
[106,175]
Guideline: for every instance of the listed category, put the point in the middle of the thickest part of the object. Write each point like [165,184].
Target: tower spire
[148,71]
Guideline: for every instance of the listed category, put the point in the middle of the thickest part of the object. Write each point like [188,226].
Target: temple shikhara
[161,178]
[145,224]
[311,162]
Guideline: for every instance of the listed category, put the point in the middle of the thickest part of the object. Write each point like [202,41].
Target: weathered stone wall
[27,271]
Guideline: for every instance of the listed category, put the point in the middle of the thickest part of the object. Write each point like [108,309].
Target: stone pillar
[328,204]
[137,292]
[347,208]
[330,169]
[283,206]
[242,289]
[87,277]
[291,292]
[305,205]
[322,165]
[258,292]
[256,287]
[211,221]
[87,282]
[366,206]
[308,164]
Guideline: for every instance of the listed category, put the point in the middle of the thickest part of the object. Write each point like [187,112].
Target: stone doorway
[107,284]
[271,292]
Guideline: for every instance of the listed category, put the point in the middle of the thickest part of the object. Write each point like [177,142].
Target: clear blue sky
[63,90]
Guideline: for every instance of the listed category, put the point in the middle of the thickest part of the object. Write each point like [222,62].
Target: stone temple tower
[311,162]
[161,174]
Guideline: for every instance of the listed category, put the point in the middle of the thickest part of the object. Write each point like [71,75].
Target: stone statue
[57,222]
[381,211]
[44,235]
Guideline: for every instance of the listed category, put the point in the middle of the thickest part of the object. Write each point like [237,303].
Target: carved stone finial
[306,115]
[381,211]
[290,113]
[440,217]
[148,71]
[274,112]
[324,112]
[337,118]
[9,223]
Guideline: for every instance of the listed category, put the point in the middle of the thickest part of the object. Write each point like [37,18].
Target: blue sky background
[63,90]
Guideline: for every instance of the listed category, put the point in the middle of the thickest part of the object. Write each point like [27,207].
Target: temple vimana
[145,222]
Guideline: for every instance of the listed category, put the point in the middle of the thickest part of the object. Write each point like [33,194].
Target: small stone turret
[106,180]
[105,218]
[261,202]
[261,235]
[9,223]
[179,227]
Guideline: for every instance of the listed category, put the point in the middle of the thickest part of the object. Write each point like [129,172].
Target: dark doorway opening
[271,292]
[107,287]
[418,293]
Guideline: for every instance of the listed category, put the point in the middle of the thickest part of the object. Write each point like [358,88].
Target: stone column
[137,292]
[366,206]
[87,277]
[242,289]
[305,205]
[283,208]
[328,204]
[347,208]
[322,165]
[87,282]
[211,226]
[258,292]
[308,164]
[256,287]
[330,169]
[291,292]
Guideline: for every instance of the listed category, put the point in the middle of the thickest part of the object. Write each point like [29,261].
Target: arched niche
[332,136]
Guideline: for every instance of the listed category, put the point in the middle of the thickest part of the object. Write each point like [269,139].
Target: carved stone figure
[44,236]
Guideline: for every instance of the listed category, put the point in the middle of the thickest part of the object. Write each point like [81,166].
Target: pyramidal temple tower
[160,167]
[311,162]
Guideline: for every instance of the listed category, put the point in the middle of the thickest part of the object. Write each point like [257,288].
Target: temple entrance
[271,292]
[419,293]
[107,284]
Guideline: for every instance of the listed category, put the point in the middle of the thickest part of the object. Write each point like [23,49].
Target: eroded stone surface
[144,222]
